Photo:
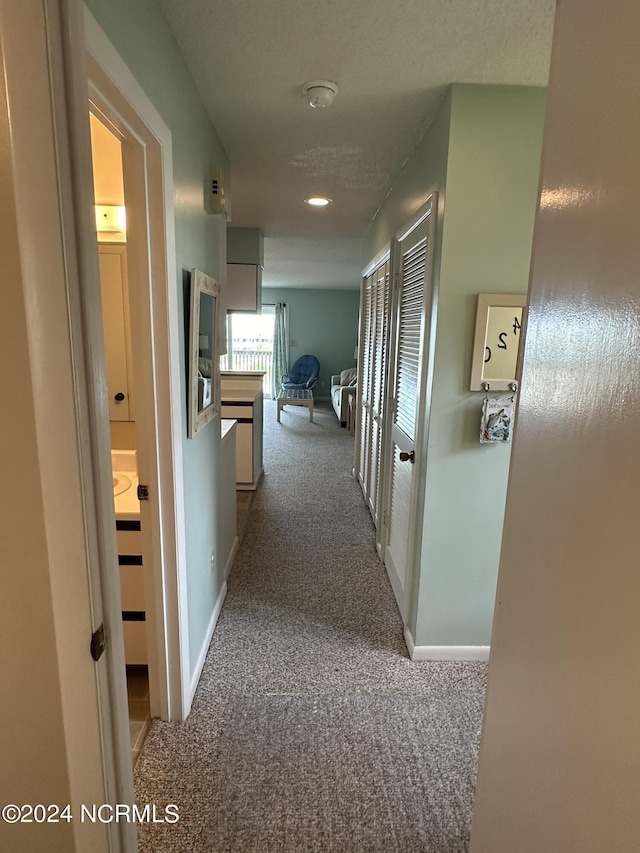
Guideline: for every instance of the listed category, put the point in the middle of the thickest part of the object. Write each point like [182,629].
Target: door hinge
[98,643]
[143,493]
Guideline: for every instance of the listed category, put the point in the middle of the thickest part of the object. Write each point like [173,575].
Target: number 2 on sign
[502,340]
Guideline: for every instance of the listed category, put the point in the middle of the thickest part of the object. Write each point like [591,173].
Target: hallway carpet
[311,729]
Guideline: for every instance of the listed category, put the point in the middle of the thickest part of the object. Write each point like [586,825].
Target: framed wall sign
[497,341]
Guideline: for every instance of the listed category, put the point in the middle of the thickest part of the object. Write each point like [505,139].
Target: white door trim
[160,459]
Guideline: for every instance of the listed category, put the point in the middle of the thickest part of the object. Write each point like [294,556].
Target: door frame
[148,172]
[423,409]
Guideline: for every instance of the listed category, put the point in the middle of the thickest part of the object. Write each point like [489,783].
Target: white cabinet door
[244,453]
[115,319]
[244,287]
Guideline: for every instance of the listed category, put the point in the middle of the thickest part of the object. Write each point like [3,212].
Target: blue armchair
[304,374]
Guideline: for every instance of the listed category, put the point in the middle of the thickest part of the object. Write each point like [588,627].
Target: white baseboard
[214,619]
[195,678]
[419,653]
[232,556]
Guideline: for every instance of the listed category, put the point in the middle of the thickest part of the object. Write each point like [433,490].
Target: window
[250,343]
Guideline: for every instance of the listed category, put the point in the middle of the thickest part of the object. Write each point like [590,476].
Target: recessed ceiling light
[317,201]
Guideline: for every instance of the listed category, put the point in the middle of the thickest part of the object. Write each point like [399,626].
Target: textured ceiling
[392,61]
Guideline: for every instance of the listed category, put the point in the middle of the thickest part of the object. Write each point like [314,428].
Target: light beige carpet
[311,729]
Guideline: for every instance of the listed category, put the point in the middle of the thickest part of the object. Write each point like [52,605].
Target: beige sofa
[343,386]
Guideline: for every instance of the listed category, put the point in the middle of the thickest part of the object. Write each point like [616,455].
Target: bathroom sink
[120,483]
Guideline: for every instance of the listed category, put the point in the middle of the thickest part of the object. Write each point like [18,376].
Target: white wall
[560,748]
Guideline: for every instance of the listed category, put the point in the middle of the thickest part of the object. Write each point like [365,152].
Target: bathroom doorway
[133,557]
[151,398]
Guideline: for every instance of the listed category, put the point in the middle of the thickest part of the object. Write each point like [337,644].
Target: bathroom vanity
[127,507]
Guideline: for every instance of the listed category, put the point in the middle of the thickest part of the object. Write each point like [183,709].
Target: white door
[43,77]
[364,382]
[380,327]
[373,370]
[411,295]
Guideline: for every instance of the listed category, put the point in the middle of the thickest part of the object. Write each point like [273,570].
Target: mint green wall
[492,186]
[324,323]
[487,175]
[142,37]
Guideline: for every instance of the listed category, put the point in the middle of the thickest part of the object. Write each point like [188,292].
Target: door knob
[408,457]
[119,397]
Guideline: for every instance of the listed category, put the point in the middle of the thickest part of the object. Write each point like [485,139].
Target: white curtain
[280,362]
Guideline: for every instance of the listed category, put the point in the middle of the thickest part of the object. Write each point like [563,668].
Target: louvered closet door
[410,312]
[374,334]
[364,471]
[380,325]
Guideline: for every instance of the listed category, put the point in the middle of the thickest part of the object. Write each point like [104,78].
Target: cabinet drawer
[242,414]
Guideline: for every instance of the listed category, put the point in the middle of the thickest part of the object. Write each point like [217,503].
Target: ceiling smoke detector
[320,92]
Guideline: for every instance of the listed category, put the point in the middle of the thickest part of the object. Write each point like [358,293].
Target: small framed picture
[499,319]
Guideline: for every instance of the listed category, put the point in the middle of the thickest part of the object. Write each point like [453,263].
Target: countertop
[226,426]
[127,505]
[239,395]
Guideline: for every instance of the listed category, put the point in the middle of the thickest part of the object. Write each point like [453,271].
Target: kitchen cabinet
[244,287]
[242,401]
